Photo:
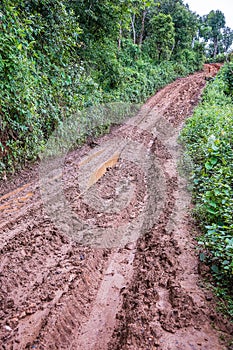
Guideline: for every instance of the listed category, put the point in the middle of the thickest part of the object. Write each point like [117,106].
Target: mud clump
[56,293]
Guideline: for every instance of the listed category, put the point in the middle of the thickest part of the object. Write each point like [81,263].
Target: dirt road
[125,274]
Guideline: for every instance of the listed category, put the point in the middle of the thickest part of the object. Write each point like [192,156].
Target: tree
[214,23]
[184,20]
[139,10]
[227,38]
[162,36]
[186,25]
[98,19]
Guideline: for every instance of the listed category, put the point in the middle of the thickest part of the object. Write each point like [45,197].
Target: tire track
[56,293]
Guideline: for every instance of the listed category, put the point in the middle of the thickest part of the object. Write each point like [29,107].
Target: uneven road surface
[109,262]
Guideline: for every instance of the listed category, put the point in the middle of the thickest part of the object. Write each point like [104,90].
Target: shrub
[208,140]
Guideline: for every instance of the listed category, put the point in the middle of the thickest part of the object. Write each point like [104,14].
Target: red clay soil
[133,280]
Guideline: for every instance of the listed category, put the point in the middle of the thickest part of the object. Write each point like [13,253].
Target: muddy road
[98,252]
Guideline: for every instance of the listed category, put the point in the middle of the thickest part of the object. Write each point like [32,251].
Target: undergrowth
[208,140]
[51,68]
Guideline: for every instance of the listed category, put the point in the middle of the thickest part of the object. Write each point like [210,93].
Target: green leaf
[208,165]
[214,161]
[211,211]
[202,257]
[215,268]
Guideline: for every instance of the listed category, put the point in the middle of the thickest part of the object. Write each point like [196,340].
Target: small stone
[33,305]
[122,289]
[22,315]
[8,328]
[209,297]
[23,253]
[130,246]
[29,311]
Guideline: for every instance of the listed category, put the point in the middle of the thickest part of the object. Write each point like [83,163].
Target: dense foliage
[208,137]
[41,81]
[58,57]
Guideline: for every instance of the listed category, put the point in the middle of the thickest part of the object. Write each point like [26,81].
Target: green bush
[220,58]
[40,81]
[208,139]
[228,79]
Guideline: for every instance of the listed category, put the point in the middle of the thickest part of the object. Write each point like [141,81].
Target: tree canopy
[215,33]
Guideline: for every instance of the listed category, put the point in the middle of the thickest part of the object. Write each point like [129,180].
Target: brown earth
[127,276]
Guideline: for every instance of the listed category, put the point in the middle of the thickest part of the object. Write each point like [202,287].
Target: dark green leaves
[208,138]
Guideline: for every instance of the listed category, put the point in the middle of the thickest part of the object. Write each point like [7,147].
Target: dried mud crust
[58,294]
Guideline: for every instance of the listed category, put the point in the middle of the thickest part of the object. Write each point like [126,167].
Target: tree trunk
[173,48]
[143,27]
[215,47]
[133,28]
[120,37]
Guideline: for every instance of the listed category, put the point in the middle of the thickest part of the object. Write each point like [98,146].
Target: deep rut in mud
[130,278]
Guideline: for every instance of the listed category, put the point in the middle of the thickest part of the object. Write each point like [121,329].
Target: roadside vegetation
[58,57]
[208,139]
